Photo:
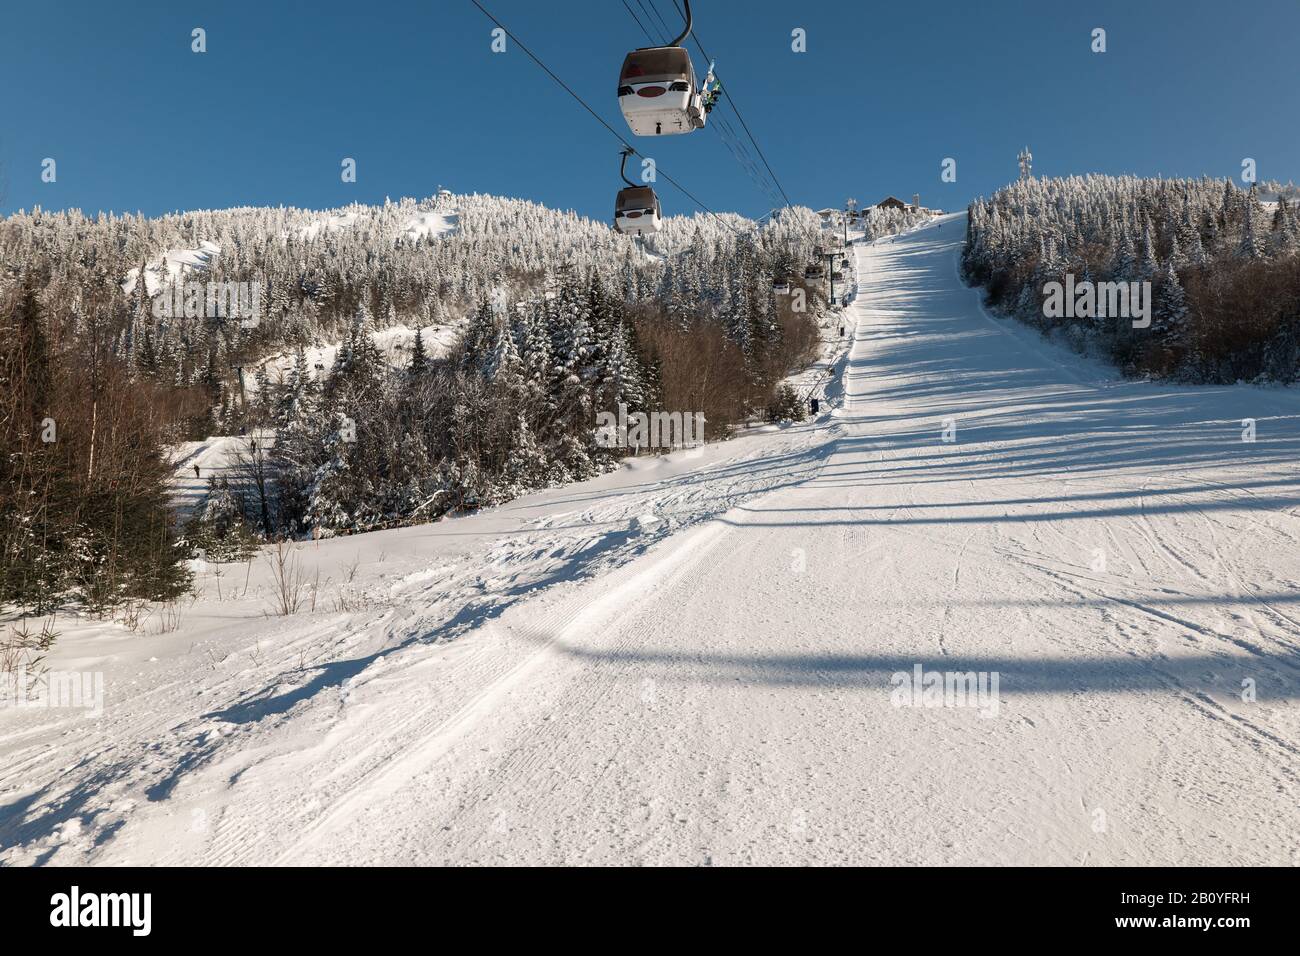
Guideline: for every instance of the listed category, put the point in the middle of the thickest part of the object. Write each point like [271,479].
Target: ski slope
[195,462]
[692,660]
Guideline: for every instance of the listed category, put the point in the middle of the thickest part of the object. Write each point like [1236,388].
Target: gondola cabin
[814,272]
[657,92]
[781,287]
[637,211]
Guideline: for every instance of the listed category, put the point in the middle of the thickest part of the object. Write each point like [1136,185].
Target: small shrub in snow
[786,405]
[220,531]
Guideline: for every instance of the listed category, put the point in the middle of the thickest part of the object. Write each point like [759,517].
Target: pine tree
[1170,316]
[624,383]
[1147,262]
[1282,239]
[1250,247]
[1123,263]
[419,358]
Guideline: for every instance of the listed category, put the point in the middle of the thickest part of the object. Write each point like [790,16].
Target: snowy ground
[171,266]
[690,660]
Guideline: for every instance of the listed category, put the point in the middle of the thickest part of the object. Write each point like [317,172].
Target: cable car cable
[736,108]
[666,31]
[632,13]
[649,18]
[745,158]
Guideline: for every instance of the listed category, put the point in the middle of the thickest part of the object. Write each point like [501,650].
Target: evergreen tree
[419,358]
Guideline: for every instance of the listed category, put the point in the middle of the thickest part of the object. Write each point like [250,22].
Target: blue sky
[412,91]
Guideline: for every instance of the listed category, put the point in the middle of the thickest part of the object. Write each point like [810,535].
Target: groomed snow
[689,660]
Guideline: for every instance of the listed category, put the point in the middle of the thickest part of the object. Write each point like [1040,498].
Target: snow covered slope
[395,344]
[694,659]
[427,222]
[171,266]
[431,223]
[194,462]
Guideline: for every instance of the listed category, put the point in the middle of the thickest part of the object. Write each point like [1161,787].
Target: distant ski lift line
[637,19]
[663,24]
[700,46]
[600,119]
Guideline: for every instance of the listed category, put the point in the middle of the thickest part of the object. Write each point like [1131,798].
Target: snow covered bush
[23,650]
[786,405]
[220,531]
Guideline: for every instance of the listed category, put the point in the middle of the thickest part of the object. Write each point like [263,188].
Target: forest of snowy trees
[1223,263]
[555,318]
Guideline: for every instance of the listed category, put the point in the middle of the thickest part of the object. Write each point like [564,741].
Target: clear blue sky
[886,91]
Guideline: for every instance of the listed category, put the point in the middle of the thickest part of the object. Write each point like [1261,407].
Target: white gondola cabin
[814,272]
[657,92]
[637,211]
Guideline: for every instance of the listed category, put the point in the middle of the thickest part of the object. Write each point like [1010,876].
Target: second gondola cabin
[637,211]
